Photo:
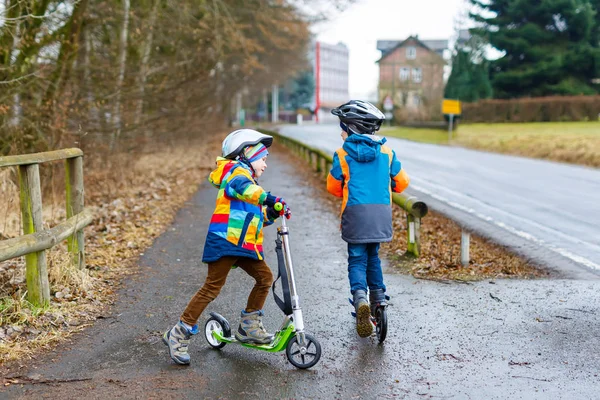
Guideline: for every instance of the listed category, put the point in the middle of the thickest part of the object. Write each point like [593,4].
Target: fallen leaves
[440,253]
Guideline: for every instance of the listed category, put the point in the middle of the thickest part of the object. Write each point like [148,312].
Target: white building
[330,66]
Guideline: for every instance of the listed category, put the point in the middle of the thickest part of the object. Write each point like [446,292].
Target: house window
[417,75]
[416,100]
[404,73]
[411,52]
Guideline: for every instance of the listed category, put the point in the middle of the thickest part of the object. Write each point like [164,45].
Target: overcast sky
[367,21]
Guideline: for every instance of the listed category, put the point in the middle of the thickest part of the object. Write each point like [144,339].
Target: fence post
[38,287]
[318,162]
[465,238]
[75,199]
[413,232]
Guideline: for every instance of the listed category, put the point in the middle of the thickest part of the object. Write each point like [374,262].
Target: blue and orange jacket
[365,173]
[236,225]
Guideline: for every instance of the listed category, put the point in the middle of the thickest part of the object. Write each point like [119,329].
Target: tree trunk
[147,49]
[8,39]
[121,76]
[64,64]
[90,98]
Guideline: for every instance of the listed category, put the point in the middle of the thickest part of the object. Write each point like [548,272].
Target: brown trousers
[217,275]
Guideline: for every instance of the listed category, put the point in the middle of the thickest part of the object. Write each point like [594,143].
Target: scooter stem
[297,311]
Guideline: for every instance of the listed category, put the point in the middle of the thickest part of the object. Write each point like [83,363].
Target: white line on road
[525,235]
[521,219]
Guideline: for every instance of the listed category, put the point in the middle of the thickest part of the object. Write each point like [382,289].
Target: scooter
[302,349]
[378,317]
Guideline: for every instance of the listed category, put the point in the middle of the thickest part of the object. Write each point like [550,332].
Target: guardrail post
[465,238]
[413,233]
[38,287]
[75,200]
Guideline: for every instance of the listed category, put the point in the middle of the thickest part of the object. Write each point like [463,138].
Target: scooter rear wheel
[311,356]
[213,325]
[381,323]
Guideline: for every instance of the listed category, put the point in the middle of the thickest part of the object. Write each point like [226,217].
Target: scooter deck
[278,344]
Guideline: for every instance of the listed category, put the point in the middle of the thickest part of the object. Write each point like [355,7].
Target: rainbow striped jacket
[236,225]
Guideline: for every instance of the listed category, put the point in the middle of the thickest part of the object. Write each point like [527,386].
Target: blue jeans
[364,267]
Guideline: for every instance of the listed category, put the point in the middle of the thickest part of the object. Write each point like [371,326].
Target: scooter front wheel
[213,325]
[303,357]
[381,323]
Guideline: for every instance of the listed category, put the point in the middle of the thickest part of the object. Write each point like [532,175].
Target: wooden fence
[321,162]
[35,239]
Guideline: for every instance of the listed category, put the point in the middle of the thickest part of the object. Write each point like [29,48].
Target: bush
[534,109]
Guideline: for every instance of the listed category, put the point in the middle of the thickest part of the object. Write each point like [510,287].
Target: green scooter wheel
[213,325]
[311,355]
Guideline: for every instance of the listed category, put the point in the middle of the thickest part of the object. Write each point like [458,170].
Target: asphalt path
[492,339]
[547,211]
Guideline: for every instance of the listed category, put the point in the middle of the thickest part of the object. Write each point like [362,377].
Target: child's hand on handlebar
[277,205]
[271,200]
[287,212]
[272,213]
[282,209]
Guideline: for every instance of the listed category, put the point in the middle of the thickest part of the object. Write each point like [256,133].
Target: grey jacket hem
[373,240]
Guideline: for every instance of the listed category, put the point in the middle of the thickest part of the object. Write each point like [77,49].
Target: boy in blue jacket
[364,173]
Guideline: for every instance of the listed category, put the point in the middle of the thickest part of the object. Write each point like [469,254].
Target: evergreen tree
[303,90]
[469,80]
[551,46]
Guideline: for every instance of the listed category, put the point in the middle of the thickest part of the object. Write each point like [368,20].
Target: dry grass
[135,198]
[571,142]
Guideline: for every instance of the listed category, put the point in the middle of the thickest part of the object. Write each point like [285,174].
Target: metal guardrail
[35,239]
[322,162]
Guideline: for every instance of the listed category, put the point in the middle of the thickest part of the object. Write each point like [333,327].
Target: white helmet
[236,141]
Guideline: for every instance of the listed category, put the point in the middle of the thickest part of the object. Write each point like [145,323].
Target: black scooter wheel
[311,356]
[381,323]
[212,325]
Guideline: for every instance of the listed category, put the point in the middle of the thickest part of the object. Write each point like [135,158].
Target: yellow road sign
[451,107]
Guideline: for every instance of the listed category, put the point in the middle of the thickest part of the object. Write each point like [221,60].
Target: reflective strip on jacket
[364,174]
[236,225]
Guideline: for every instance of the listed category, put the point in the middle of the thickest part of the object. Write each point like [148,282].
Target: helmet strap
[345,128]
[245,160]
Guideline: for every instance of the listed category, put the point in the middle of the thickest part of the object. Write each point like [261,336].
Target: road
[546,211]
[492,339]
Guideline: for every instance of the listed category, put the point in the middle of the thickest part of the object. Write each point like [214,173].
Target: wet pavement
[492,339]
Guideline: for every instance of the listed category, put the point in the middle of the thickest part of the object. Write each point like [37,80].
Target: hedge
[535,109]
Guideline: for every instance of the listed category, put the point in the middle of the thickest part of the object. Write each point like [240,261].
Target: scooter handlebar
[283,210]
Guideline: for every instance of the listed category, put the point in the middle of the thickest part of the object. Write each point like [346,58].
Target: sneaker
[178,340]
[251,329]
[364,326]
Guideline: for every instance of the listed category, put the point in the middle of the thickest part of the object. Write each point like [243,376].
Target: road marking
[522,219]
[525,235]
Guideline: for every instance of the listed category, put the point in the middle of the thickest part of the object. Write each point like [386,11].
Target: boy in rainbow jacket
[364,173]
[234,238]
